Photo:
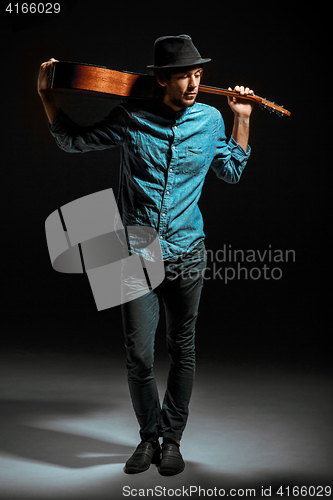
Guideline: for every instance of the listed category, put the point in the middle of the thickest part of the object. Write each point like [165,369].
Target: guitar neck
[263,102]
[216,90]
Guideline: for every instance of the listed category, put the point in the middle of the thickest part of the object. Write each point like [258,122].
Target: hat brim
[181,63]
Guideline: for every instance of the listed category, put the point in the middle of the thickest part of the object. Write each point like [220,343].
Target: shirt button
[170,169]
[168,192]
[161,237]
[173,147]
[163,215]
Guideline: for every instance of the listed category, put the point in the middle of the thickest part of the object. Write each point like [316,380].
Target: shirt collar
[163,110]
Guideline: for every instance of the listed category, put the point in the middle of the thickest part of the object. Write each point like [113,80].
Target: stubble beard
[182,102]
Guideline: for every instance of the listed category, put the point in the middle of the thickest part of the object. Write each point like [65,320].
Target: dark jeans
[179,293]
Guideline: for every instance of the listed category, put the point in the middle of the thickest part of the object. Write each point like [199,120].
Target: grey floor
[67,427]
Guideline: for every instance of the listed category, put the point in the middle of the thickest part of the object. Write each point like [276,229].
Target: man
[168,144]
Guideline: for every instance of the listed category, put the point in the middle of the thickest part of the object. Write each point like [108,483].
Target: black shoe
[172,462]
[144,455]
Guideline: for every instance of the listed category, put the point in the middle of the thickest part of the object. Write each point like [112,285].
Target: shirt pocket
[195,161]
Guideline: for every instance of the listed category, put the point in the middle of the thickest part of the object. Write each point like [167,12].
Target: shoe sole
[134,471]
[170,472]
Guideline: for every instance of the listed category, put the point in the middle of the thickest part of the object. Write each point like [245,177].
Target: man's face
[182,88]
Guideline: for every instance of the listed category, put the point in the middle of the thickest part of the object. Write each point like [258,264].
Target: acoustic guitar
[98,80]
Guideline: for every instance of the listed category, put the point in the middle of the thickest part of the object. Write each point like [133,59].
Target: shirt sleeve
[230,158]
[104,134]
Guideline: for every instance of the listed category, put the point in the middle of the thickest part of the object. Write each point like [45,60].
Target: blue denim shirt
[165,157]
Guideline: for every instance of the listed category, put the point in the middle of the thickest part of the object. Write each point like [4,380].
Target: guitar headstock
[272,107]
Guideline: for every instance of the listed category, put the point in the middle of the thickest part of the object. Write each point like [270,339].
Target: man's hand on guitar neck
[242,110]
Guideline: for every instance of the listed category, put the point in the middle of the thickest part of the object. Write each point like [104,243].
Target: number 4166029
[304,491]
[33,8]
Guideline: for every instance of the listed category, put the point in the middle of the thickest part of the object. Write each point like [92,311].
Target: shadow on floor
[59,448]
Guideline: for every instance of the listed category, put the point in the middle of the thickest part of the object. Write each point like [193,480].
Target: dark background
[281,200]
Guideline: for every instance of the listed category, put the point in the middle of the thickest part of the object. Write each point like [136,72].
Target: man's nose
[192,83]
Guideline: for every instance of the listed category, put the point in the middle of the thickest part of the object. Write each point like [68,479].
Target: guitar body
[100,81]
[88,79]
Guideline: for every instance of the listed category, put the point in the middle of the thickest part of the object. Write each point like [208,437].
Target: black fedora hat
[175,51]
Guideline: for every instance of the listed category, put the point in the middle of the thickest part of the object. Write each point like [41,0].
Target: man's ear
[160,81]
[160,78]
